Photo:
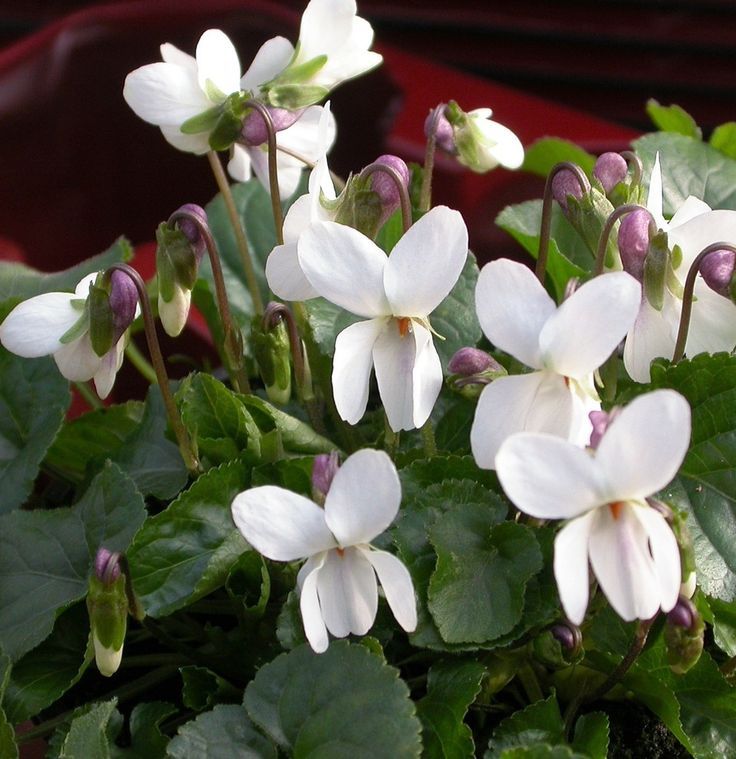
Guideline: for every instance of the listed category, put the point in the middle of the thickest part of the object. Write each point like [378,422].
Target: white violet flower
[337,584]
[630,546]
[396,294]
[563,345]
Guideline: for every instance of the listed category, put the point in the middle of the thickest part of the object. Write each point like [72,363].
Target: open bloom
[563,345]
[396,294]
[337,583]
[42,326]
[631,548]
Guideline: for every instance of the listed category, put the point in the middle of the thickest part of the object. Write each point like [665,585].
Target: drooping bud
[683,636]
[657,268]
[107,566]
[471,369]
[633,242]
[385,186]
[717,269]
[559,646]
[444,133]
[600,420]
[190,226]
[123,302]
[565,184]
[272,350]
[610,169]
[324,470]
[255,131]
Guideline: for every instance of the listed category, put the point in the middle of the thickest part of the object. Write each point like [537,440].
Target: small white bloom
[36,326]
[483,144]
[337,583]
[396,294]
[563,345]
[631,548]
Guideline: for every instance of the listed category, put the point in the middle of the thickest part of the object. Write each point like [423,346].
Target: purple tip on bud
[633,242]
[717,269]
[323,472]
[255,131]
[469,361]
[600,421]
[610,169]
[107,566]
[444,133]
[385,187]
[683,614]
[568,637]
[565,183]
[190,229]
[123,303]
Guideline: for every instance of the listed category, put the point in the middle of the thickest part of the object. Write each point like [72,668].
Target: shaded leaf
[672,118]
[91,733]
[146,739]
[542,155]
[724,139]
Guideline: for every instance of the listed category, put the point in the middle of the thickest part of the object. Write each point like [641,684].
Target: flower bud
[444,133]
[123,302]
[683,636]
[107,566]
[190,228]
[471,369]
[272,352]
[564,184]
[633,242]
[717,269]
[255,131]
[682,614]
[610,169]
[324,470]
[385,187]
[559,646]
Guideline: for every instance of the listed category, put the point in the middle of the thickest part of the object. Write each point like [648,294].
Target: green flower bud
[559,646]
[656,266]
[272,352]
[683,636]
[107,605]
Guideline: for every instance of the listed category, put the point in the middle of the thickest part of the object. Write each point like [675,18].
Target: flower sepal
[656,269]
[272,352]
[294,97]
[229,122]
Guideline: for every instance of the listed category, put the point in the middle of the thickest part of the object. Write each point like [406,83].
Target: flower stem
[687,297]
[233,348]
[242,242]
[634,164]
[182,438]
[425,195]
[430,444]
[89,397]
[616,214]
[140,362]
[546,225]
[401,188]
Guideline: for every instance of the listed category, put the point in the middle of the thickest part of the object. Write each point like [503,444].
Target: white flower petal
[281,525]
[427,375]
[239,166]
[712,322]
[654,197]
[643,447]
[171,54]
[699,232]
[188,143]
[588,326]
[547,477]
[348,592]
[311,136]
[110,363]
[665,554]
[77,361]
[501,145]
[173,314]
[271,59]
[34,327]
[651,336]
[217,62]
[691,208]
[619,555]
[426,262]
[164,94]
[289,170]
[571,566]
[363,498]
[512,309]
[285,276]
[325,26]
[351,367]
[314,625]
[345,267]
[536,402]
[397,586]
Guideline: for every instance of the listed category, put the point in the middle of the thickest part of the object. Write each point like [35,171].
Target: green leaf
[45,556]
[476,593]
[541,722]
[187,551]
[91,734]
[8,746]
[203,689]
[542,155]
[689,167]
[224,733]
[344,702]
[146,739]
[434,470]
[724,139]
[43,675]
[451,687]
[34,398]
[20,282]
[672,118]
[149,457]
[591,735]
[84,443]
[326,320]
[724,625]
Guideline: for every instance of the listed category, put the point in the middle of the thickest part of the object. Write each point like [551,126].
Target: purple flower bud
[717,269]
[567,635]
[255,132]
[123,303]
[190,229]
[323,472]
[385,187]
[600,421]
[107,566]
[633,242]
[565,183]
[610,169]
[444,133]
[470,361]
[683,614]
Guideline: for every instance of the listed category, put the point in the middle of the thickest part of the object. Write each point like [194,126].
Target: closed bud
[610,169]
[683,636]
[657,267]
[190,226]
[255,131]
[324,470]
[123,302]
[471,369]
[564,185]
[633,242]
[717,269]
[385,187]
[272,352]
[107,566]
[444,133]
[559,646]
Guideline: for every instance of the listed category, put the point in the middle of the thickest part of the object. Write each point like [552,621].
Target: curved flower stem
[233,347]
[425,195]
[274,313]
[401,188]
[182,438]
[273,169]
[616,214]
[140,362]
[687,297]
[634,164]
[242,242]
[546,224]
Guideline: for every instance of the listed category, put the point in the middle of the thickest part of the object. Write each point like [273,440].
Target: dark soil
[637,734]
